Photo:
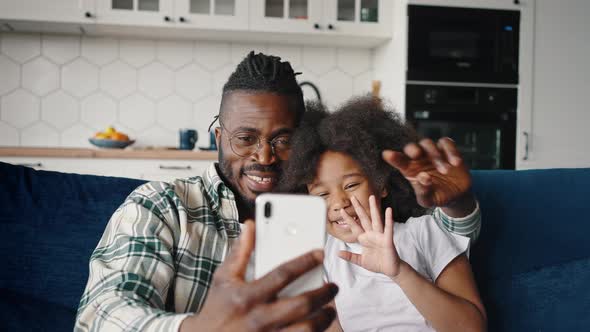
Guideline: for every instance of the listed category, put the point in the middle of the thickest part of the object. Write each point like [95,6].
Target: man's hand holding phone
[236,305]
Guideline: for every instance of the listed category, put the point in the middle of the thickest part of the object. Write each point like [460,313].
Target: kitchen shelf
[108,153]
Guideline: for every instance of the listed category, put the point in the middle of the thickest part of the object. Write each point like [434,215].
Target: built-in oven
[481,121]
[463,44]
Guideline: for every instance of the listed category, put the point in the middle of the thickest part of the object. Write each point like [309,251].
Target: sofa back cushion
[49,226]
[532,261]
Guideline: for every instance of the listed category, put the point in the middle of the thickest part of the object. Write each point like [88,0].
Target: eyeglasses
[246,143]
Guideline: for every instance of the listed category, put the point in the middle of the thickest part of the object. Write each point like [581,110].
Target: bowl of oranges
[111,139]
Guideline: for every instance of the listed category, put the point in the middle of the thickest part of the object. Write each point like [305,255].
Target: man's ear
[218,136]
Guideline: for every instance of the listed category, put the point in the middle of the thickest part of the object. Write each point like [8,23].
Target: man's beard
[232,181]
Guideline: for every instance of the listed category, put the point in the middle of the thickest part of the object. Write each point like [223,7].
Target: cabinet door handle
[88,15]
[330,27]
[182,19]
[176,168]
[167,19]
[526,145]
[30,164]
[317,26]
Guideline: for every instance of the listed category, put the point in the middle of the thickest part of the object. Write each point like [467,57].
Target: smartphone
[288,226]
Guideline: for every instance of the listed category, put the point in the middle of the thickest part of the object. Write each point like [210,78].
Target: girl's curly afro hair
[361,128]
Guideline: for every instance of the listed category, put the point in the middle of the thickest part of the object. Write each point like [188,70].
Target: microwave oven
[454,44]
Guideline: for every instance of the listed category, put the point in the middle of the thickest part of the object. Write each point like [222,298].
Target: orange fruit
[119,136]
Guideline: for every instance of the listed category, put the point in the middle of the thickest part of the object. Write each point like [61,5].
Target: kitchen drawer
[166,170]
[159,170]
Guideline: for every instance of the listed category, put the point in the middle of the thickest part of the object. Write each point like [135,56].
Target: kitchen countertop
[107,153]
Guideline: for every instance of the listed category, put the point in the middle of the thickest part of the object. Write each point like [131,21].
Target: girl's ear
[384,193]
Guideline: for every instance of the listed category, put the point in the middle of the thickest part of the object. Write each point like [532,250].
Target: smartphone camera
[267,210]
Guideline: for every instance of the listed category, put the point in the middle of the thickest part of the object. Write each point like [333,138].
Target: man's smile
[260,182]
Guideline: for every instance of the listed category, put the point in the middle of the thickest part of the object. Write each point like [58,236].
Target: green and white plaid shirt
[154,263]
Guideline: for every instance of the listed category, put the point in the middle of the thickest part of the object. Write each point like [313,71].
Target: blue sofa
[532,261]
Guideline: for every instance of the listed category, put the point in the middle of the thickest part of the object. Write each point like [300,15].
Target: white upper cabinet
[553,104]
[212,14]
[46,10]
[135,12]
[370,18]
[364,23]
[299,16]
[206,14]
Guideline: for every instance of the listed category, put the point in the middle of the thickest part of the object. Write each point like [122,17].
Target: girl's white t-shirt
[369,301]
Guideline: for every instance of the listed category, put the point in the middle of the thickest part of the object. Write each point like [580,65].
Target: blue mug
[212,141]
[188,138]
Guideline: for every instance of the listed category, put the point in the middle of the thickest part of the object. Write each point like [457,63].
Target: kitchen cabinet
[299,16]
[162,165]
[349,23]
[150,170]
[48,11]
[209,14]
[330,17]
[359,17]
[212,14]
[135,12]
[553,106]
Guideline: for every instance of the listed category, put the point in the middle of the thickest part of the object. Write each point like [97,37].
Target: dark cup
[212,142]
[188,138]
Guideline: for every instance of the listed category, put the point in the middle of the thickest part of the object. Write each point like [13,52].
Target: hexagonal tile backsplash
[57,90]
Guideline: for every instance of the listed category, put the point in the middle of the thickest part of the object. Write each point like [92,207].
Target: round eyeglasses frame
[280,154]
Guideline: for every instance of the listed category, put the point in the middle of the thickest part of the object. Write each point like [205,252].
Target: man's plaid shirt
[154,263]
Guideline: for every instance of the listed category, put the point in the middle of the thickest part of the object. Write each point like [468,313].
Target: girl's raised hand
[378,250]
[436,171]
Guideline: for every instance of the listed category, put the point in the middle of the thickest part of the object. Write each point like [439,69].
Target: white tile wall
[40,76]
[10,72]
[58,90]
[60,49]
[60,110]
[118,79]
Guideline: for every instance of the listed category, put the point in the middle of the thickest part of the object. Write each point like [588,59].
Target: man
[154,267]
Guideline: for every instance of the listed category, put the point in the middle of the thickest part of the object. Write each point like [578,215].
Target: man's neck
[245,210]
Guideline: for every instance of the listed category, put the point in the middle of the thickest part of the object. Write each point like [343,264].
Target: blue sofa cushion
[531,219]
[531,260]
[22,313]
[49,226]
[554,298]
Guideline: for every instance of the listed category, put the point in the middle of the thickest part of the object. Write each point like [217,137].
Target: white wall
[58,90]
[390,60]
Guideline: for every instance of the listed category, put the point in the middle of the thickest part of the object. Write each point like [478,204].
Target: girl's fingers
[361,214]
[435,155]
[448,147]
[354,227]
[424,179]
[413,151]
[348,256]
[388,232]
[396,159]
[375,215]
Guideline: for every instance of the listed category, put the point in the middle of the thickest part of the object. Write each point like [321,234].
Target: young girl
[408,275]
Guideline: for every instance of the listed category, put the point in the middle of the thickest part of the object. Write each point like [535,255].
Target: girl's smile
[338,178]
